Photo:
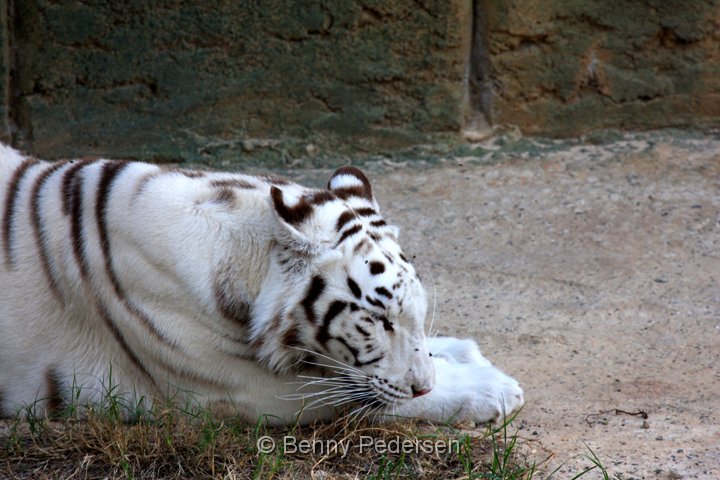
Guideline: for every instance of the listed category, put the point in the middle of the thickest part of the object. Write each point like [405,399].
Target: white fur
[169,237]
[467,388]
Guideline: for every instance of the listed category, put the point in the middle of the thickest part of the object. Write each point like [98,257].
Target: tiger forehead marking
[377,267]
[366,238]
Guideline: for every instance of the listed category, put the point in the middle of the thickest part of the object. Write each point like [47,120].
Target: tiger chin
[250,295]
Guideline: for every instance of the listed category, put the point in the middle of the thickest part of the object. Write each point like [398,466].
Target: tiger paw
[468,388]
[474,389]
[482,394]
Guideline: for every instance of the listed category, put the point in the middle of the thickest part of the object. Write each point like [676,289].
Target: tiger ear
[291,212]
[349,182]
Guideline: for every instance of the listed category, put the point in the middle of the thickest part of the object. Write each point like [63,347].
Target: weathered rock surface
[198,81]
[280,80]
[562,67]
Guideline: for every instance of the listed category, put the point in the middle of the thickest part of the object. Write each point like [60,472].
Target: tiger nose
[422,380]
[419,392]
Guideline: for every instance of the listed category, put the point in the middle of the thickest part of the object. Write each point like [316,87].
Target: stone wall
[210,80]
[563,67]
[5,131]
[218,81]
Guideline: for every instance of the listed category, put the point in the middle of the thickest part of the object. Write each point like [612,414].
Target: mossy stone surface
[5,130]
[224,81]
[271,82]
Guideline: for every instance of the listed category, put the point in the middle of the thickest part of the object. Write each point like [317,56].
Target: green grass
[122,439]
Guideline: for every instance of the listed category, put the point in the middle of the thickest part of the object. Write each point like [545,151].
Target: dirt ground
[592,274]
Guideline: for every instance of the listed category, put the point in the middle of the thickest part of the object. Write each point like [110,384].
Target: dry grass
[170,443]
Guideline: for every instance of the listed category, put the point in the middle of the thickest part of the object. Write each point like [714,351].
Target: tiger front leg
[467,387]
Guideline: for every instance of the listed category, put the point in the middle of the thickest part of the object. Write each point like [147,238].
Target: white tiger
[222,288]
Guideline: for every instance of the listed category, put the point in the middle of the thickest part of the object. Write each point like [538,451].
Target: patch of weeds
[12,437]
[390,468]
[499,456]
[269,464]
[123,437]
[503,464]
[596,464]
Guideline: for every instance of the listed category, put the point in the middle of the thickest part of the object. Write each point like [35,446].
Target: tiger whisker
[343,365]
[378,410]
[353,397]
[317,403]
[338,371]
[359,393]
[360,413]
[432,317]
[333,390]
[325,380]
[342,398]
[350,416]
[343,386]
[303,396]
[393,409]
[325,401]
[374,412]
[310,381]
[320,382]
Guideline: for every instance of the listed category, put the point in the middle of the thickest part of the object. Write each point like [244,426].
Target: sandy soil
[591,274]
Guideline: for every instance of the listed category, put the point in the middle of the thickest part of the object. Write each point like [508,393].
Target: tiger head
[358,307]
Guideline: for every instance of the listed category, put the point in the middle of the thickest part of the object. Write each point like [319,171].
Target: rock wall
[5,130]
[223,80]
[563,67]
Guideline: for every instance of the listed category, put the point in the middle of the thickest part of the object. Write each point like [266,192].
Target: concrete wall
[229,80]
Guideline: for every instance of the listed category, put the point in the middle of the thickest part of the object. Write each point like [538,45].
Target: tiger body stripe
[38,230]
[200,285]
[11,199]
